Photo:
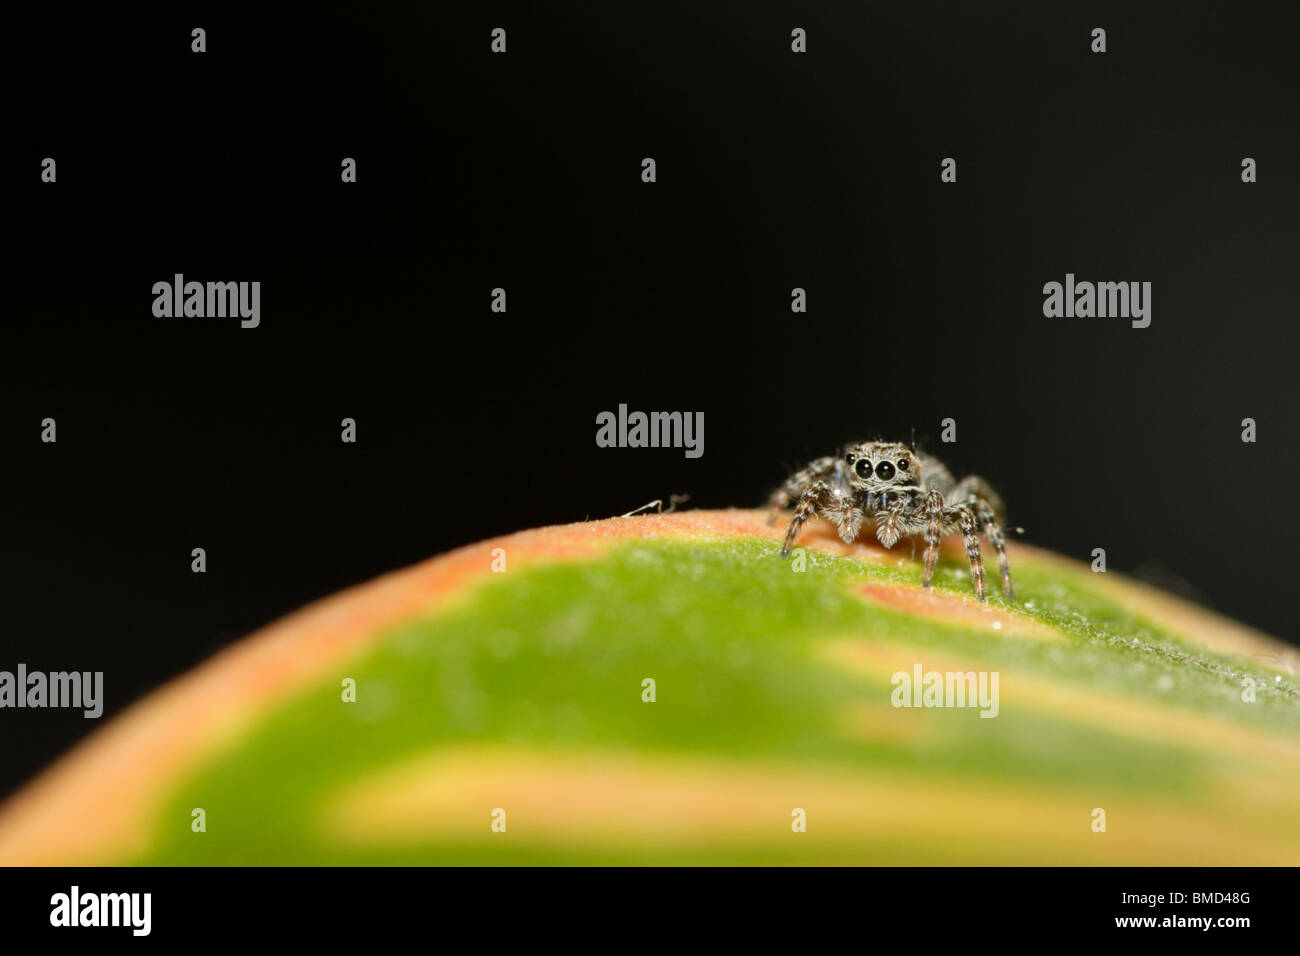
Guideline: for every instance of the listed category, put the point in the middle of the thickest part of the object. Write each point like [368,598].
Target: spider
[902,493]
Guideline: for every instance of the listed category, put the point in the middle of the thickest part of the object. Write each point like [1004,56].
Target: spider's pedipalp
[848,518]
[888,523]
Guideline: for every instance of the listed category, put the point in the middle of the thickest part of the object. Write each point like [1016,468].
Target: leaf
[520,698]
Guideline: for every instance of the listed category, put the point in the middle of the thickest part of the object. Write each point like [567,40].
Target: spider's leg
[796,485]
[970,534]
[933,531]
[973,486]
[814,499]
[993,531]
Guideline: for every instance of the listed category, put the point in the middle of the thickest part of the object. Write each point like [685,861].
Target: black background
[775,170]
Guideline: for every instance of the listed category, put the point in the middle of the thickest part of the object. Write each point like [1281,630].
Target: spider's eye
[863,468]
[884,471]
[849,458]
[902,464]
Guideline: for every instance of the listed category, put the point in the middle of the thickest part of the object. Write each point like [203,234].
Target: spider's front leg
[796,485]
[938,518]
[933,510]
[816,498]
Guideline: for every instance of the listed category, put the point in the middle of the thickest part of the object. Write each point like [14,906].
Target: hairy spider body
[900,493]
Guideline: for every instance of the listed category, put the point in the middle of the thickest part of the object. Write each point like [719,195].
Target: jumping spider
[902,493]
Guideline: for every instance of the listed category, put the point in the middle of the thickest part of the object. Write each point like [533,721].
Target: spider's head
[882,466]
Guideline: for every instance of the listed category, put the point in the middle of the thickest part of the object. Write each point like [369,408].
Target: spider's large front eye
[863,468]
[884,471]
